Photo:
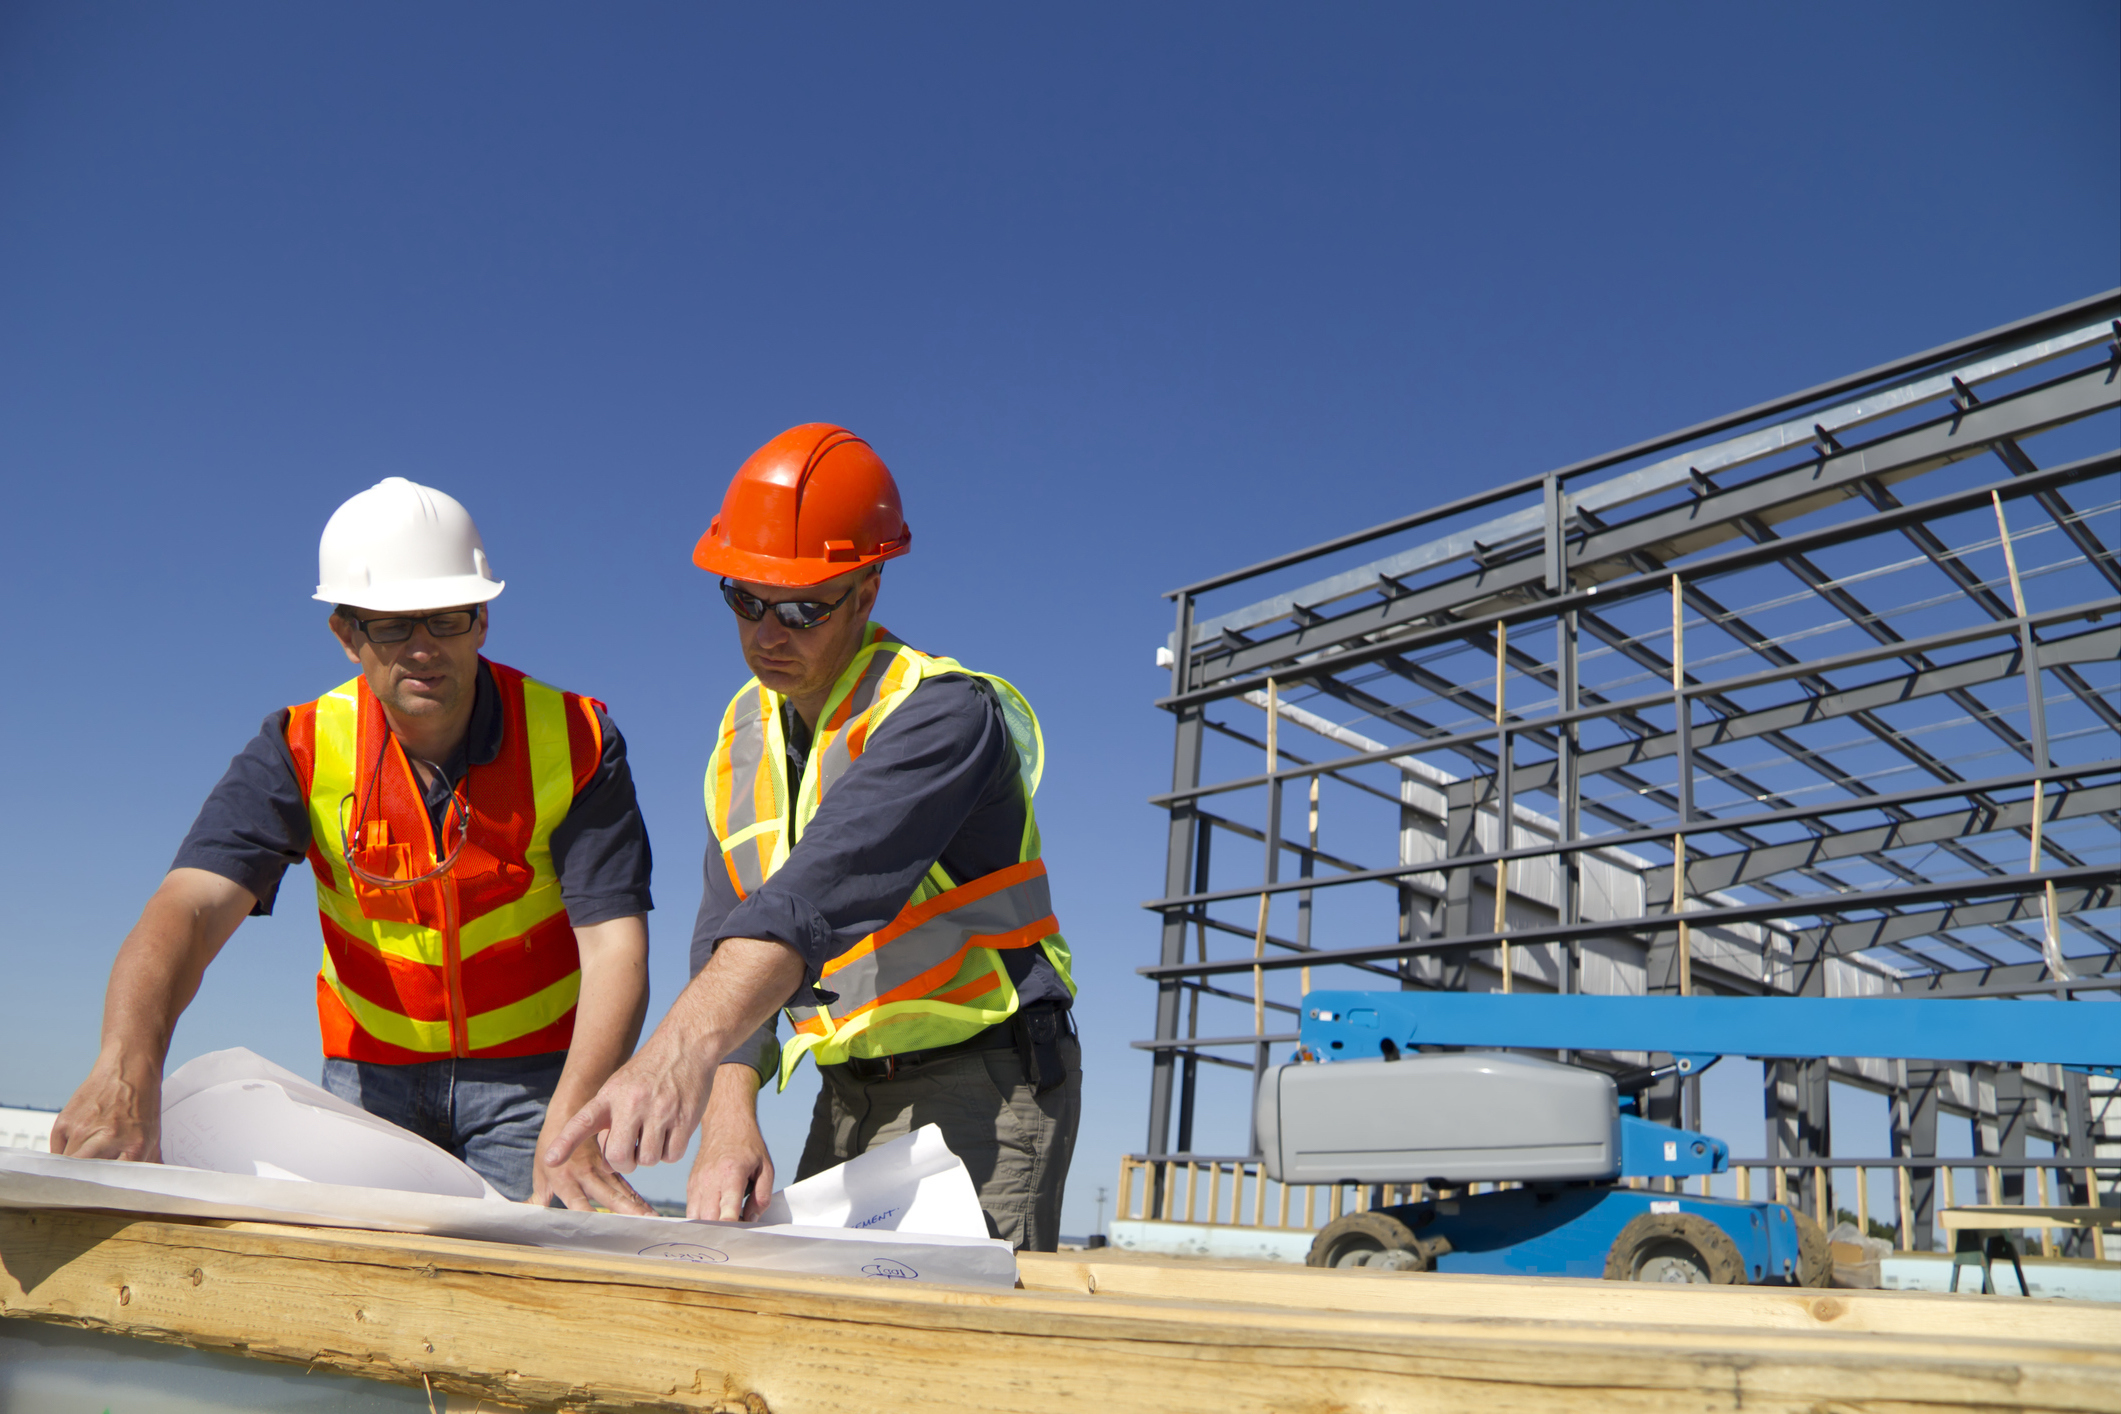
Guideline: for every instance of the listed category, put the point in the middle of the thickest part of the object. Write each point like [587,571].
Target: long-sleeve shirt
[936,782]
[255,822]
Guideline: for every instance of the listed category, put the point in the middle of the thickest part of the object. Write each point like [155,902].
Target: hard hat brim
[798,572]
[412,595]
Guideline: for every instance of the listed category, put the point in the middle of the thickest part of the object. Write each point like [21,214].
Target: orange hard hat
[813,503]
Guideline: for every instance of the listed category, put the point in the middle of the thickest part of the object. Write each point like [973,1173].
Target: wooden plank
[1760,1308]
[537,1327]
[2009,1216]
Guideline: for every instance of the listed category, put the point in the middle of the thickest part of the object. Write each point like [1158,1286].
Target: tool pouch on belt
[1038,1036]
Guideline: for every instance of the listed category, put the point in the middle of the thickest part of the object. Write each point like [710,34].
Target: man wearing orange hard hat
[873,869]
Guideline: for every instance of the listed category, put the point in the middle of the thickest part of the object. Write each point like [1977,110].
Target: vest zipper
[453,968]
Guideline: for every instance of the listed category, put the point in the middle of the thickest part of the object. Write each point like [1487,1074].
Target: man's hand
[607,1021]
[732,1179]
[649,1107]
[113,1115]
[117,1112]
[584,1181]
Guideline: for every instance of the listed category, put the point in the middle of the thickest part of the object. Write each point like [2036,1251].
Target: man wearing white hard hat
[481,873]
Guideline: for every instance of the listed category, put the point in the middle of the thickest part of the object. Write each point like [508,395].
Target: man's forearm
[116,1112]
[745,982]
[649,1107]
[162,961]
[609,1012]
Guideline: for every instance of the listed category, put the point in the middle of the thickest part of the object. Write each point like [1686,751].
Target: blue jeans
[486,1112]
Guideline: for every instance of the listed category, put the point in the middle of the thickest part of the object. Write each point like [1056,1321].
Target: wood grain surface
[1762,1308]
[545,1328]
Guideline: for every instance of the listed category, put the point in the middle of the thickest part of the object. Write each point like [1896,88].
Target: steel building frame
[1779,785]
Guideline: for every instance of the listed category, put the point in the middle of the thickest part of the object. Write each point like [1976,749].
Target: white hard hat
[400,546]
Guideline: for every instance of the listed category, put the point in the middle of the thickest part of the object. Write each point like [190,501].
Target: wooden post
[2091,1193]
[1949,1200]
[1310,1197]
[1745,1183]
[2052,938]
[1995,1184]
[2047,1234]
[1283,1219]
[1863,1201]
[1259,936]
[1259,1196]
[1905,1198]
[1304,972]
[1502,810]
[1679,706]
[1215,1193]
[1782,1184]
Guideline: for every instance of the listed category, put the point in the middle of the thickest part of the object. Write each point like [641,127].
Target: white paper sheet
[913,1184]
[236,1112]
[46,1181]
[247,1139]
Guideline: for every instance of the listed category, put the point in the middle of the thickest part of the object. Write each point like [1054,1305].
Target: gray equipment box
[1454,1118]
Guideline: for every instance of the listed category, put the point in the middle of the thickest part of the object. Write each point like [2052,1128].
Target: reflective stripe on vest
[933,975]
[482,961]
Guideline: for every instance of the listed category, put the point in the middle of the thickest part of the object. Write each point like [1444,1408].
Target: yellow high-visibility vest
[933,975]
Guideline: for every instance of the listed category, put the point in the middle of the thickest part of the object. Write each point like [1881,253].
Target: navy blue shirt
[936,782]
[255,822]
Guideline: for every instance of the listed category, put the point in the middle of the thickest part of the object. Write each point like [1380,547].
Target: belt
[999,1037]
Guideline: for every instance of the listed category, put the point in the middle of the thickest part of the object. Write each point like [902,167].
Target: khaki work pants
[1016,1143]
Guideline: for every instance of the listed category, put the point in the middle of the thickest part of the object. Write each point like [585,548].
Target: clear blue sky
[1126,295]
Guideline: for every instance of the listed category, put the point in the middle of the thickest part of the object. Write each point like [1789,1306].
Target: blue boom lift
[1371,1099]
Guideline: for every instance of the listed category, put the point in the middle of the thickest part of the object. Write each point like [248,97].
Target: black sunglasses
[450,623]
[801,613]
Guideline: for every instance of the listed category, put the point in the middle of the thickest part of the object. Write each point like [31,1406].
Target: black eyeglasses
[800,613]
[450,623]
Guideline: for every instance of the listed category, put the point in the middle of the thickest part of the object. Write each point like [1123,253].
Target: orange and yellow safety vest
[933,975]
[480,961]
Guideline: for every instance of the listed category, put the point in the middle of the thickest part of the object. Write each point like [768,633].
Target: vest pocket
[387,861]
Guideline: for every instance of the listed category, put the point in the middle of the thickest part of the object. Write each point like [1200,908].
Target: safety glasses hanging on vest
[803,613]
[350,839]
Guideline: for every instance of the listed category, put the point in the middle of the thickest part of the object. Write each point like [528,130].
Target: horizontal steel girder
[2099,645]
[1707,873]
[1860,935]
[1680,530]
[1651,925]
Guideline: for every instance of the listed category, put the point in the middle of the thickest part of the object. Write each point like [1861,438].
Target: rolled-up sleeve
[254,823]
[601,850]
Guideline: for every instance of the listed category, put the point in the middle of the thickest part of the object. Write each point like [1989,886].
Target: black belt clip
[872,1068]
[1038,1030]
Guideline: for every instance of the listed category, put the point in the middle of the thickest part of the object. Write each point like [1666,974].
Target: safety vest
[934,974]
[480,961]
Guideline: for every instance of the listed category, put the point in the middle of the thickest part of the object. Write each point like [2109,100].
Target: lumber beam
[1758,1308]
[537,1327]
